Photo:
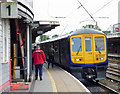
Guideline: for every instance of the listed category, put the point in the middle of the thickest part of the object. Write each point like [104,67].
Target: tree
[43,38]
[106,32]
[54,36]
[92,26]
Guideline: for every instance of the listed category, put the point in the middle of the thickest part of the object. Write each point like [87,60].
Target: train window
[87,44]
[99,44]
[76,45]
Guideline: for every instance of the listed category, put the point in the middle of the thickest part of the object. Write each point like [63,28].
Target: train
[82,52]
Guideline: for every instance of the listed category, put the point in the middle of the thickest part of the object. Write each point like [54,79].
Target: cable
[67,17]
[64,29]
[103,7]
[88,13]
[73,11]
[70,13]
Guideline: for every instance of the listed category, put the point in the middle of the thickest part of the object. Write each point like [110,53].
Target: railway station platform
[56,80]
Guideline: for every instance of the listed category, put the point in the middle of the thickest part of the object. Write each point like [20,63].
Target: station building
[16,21]
[17,33]
[114,42]
[114,38]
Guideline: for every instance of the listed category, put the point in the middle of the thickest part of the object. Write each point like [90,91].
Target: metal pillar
[28,53]
[30,50]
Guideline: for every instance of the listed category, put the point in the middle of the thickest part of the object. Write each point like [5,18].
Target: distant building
[114,38]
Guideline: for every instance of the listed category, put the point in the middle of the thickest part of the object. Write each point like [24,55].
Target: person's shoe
[40,78]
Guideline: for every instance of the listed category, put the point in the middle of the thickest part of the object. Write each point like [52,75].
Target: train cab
[88,48]
[89,54]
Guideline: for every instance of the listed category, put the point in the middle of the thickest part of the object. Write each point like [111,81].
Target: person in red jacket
[39,58]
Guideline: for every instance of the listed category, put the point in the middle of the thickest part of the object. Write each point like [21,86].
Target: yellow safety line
[52,80]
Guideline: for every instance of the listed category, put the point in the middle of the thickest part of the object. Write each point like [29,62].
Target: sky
[105,13]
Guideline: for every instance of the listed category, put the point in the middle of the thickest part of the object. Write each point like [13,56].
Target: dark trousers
[51,60]
[38,67]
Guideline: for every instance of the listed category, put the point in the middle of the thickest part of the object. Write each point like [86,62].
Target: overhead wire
[68,16]
[103,6]
[88,13]
[81,5]
[97,10]
[86,10]
[64,29]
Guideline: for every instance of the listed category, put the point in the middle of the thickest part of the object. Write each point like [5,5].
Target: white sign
[9,10]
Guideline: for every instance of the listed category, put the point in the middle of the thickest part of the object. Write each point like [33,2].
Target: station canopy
[40,27]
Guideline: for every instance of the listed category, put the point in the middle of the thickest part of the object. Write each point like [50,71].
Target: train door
[100,48]
[88,49]
[77,49]
[56,53]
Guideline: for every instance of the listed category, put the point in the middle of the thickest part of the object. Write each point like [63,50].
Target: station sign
[117,29]
[9,10]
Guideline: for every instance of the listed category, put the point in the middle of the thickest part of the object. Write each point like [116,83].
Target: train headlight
[77,59]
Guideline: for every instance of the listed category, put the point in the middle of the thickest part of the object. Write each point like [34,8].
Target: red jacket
[39,57]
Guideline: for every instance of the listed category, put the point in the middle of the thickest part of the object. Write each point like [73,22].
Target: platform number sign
[9,10]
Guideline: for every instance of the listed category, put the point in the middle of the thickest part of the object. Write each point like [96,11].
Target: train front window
[87,44]
[76,45]
[99,44]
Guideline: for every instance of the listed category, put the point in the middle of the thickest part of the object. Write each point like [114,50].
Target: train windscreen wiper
[98,49]
[78,50]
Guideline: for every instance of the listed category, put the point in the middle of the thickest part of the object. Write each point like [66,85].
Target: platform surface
[57,80]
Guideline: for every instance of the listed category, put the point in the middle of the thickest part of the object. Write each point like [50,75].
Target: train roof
[85,31]
[76,32]
[54,39]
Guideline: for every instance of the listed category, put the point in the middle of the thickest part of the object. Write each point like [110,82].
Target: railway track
[110,89]
[113,73]
[112,82]
[95,87]
[112,76]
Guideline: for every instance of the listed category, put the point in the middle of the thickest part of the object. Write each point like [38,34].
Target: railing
[24,69]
